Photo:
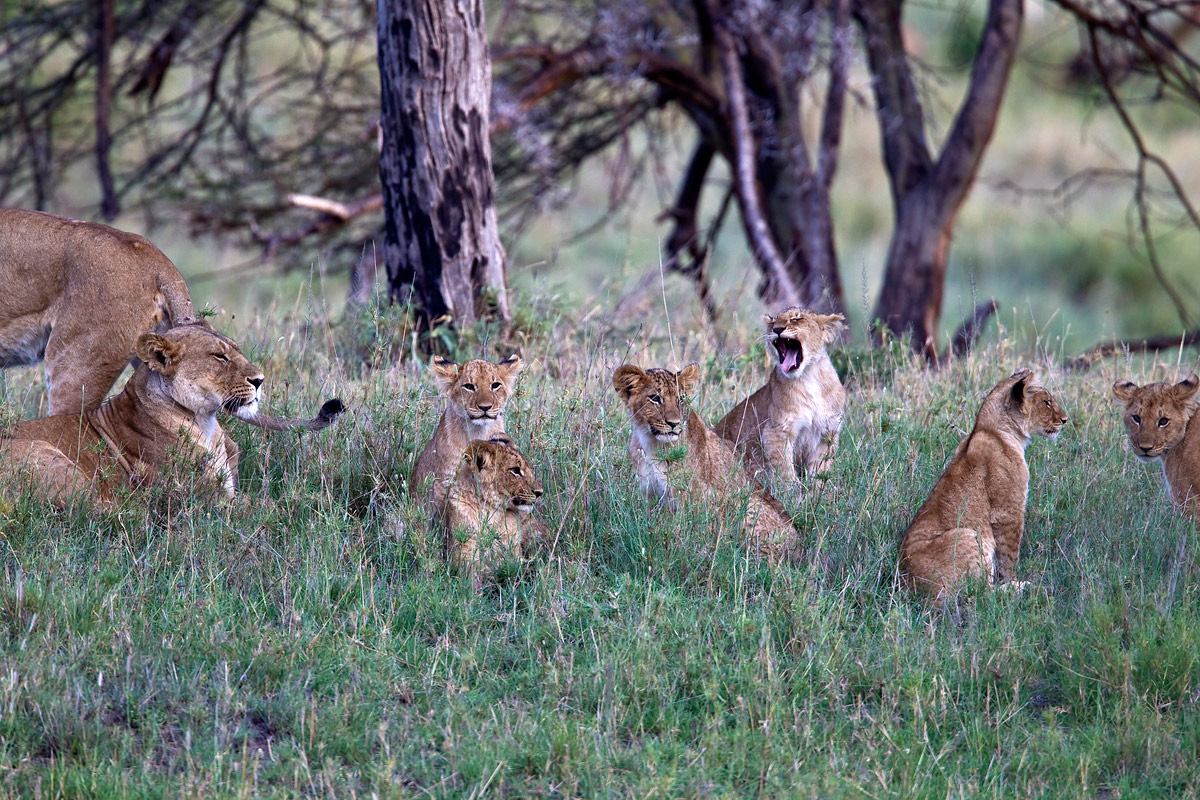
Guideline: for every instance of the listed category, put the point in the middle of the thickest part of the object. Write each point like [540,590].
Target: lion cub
[476,395]
[487,513]
[971,525]
[791,424]
[1160,420]
[708,470]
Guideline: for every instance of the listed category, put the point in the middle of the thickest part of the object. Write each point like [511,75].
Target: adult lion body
[476,395]
[791,424]
[709,472]
[78,295]
[1160,419]
[973,521]
[168,407]
[487,514]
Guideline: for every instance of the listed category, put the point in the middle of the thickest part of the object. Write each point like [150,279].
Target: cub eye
[1136,419]
[470,387]
[655,399]
[495,385]
[1047,402]
[221,357]
[1162,422]
[517,471]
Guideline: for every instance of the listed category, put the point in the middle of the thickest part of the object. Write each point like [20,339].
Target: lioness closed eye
[169,404]
[972,523]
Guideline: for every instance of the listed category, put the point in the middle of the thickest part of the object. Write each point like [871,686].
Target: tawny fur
[78,295]
[168,407]
[790,426]
[476,396]
[487,515]
[709,472]
[1160,419]
[972,523]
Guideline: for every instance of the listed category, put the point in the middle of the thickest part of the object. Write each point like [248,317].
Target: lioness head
[502,473]
[795,335]
[1030,406]
[202,370]
[1157,414]
[654,398]
[481,389]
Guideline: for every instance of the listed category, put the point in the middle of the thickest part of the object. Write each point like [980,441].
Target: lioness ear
[1124,390]
[831,325]
[445,372]
[627,380]
[511,367]
[688,377]
[1186,388]
[158,353]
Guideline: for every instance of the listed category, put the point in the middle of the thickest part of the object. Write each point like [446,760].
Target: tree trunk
[927,193]
[442,248]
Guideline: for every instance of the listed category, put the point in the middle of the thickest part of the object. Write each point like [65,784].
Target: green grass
[308,640]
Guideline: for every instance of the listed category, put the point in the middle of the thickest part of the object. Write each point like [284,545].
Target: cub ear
[511,367]
[480,454]
[1186,389]
[158,353]
[688,377]
[627,380]
[831,325]
[445,372]
[1123,390]
[1016,394]
[767,320]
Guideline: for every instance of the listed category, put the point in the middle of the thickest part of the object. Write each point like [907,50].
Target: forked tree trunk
[442,248]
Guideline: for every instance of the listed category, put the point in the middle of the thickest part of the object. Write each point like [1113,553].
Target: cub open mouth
[791,353]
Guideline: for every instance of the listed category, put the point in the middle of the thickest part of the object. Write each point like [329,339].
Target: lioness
[791,424]
[78,294]
[487,512]
[476,394]
[709,471]
[1160,421]
[971,525]
[170,403]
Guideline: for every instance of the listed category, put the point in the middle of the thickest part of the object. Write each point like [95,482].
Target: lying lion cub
[708,471]
[791,424]
[1160,419]
[971,525]
[78,294]
[487,513]
[169,404]
[476,394]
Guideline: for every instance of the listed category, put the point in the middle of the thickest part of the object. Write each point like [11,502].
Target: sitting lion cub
[708,470]
[487,513]
[791,424]
[476,395]
[1160,419]
[169,404]
[971,525]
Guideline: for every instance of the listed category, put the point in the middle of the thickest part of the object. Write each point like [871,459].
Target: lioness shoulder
[78,295]
[971,524]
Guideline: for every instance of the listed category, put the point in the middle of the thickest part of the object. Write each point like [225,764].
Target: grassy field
[308,640]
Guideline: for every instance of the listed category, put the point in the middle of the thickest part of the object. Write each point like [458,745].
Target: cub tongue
[790,357]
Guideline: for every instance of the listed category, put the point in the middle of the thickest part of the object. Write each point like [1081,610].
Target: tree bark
[926,193]
[442,248]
